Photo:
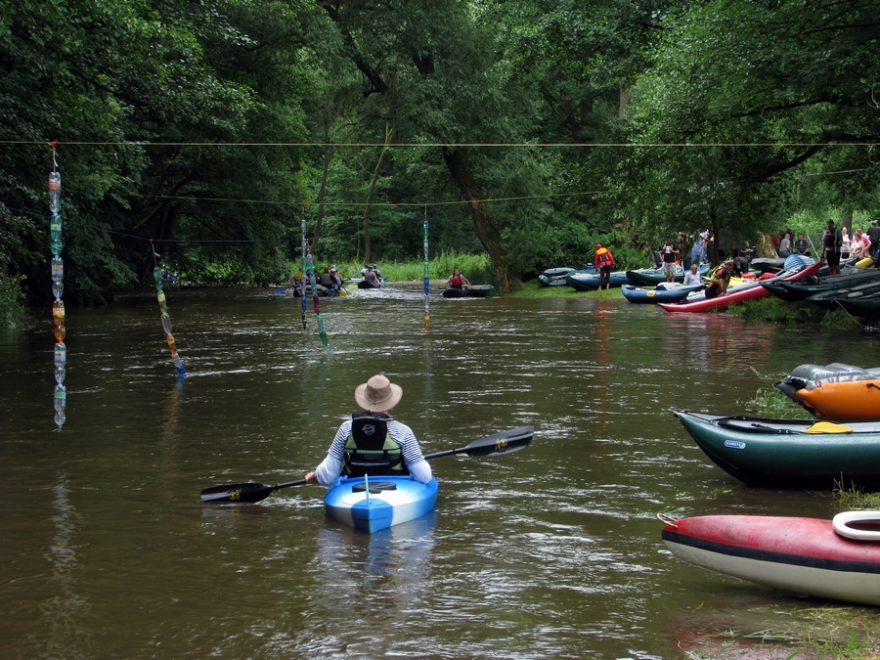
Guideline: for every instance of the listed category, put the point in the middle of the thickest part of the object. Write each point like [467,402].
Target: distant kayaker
[338,284]
[326,279]
[372,442]
[720,280]
[457,280]
[371,276]
[296,281]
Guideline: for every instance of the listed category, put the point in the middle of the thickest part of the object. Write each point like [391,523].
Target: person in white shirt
[692,276]
[372,442]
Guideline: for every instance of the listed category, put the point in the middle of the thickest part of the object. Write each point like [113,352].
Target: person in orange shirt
[603,262]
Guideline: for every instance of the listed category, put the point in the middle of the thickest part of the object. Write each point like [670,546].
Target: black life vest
[370,449]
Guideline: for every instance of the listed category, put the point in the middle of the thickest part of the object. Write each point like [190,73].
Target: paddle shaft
[503,442]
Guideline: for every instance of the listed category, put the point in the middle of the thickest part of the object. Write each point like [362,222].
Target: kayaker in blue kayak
[372,442]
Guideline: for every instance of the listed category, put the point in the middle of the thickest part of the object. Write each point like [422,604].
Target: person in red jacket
[457,281]
[603,261]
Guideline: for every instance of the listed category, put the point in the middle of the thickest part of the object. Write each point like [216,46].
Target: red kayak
[748,291]
[838,560]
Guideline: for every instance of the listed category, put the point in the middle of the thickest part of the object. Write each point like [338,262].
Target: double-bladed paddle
[503,442]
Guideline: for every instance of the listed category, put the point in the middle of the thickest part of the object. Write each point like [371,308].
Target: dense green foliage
[525,130]
[476,267]
[10,301]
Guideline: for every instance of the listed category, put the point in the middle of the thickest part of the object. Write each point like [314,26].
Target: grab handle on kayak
[667,519]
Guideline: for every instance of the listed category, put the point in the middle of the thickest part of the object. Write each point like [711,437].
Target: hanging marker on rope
[166,317]
[302,268]
[427,317]
[57,264]
[313,281]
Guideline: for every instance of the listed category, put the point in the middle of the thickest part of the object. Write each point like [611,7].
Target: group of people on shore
[838,245]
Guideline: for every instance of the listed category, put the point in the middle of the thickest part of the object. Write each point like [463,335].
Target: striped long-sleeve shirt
[331,467]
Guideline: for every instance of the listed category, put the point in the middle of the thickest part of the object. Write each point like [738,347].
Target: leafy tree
[751,92]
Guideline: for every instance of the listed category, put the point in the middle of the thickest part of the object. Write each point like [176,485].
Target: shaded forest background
[526,129]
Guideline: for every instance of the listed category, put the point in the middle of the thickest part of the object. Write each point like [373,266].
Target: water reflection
[377,580]
[388,570]
[62,633]
[556,547]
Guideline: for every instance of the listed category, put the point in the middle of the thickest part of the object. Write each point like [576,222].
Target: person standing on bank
[372,442]
[603,262]
[831,243]
[669,255]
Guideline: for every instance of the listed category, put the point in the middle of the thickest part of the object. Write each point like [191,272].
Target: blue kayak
[588,280]
[378,502]
[664,292]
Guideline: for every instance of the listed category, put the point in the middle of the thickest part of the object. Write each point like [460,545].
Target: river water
[552,551]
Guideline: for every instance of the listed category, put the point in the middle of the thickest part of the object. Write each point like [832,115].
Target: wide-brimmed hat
[378,394]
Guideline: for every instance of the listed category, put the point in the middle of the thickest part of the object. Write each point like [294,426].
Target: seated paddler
[372,442]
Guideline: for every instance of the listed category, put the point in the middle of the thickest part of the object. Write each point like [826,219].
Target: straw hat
[378,394]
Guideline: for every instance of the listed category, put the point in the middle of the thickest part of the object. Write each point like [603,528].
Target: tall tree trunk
[487,231]
[322,193]
[622,101]
[332,109]
[846,215]
[373,179]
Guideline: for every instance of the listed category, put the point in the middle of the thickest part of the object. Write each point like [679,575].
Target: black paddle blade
[503,442]
[249,492]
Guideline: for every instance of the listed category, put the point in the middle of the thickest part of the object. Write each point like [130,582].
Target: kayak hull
[740,294]
[473,291]
[391,500]
[642,295]
[843,400]
[800,555]
[789,453]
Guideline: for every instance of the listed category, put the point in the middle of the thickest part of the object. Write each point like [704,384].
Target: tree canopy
[527,129]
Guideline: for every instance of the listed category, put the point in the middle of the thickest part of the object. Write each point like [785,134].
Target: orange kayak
[851,400]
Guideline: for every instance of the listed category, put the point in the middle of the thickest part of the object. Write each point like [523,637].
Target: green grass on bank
[11,300]
[476,267]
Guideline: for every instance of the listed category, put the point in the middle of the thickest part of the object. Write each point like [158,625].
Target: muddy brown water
[552,551]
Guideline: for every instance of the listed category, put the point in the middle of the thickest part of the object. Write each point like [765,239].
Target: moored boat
[663,292]
[803,289]
[555,276]
[651,276]
[789,453]
[748,291]
[588,280]
[472,291]
[866,308]
[800,555]
[812,375]
[375,503]
[859,289]
[843,400]
[767,264]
